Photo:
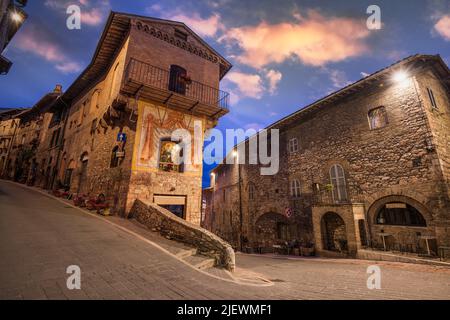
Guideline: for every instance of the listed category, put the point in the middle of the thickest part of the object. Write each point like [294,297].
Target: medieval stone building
[368,165]
[110,132]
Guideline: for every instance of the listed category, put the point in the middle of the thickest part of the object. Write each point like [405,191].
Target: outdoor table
[426,238]
[383,236]
[277,248]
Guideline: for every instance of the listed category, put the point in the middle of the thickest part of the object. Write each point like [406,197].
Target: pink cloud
[314,39]
[273,77]
[338,78]
[92,12]
[92,17]
[36,43]
[246,85]
[204,27]
[69,67]
[442,27]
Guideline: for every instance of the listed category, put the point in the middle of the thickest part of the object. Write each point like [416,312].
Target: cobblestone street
[41,237]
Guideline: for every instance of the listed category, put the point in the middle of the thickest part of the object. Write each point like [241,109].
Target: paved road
[40,237]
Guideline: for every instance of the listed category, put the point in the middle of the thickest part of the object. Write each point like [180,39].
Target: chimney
[58,89]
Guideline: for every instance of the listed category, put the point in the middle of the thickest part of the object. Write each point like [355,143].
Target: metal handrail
[149,75]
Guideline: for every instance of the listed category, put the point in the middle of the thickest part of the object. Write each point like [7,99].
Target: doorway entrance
[175,204]
[334,233]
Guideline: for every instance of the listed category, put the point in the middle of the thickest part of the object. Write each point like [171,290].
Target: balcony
[178,92]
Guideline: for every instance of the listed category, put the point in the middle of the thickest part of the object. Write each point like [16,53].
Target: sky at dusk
[285,54]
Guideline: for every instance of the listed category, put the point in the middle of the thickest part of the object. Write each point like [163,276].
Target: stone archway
[378,205]
[399,222]
[334,234]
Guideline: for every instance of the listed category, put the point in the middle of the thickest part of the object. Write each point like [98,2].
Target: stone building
[24,139]
[110,132]
[368,165]
[8,126]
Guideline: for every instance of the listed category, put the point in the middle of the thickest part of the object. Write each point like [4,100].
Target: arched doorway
[402,223]
[399,214]
[334,233]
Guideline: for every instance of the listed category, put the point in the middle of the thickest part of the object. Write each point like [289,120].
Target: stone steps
[185,253]
[180,250]
[200,262]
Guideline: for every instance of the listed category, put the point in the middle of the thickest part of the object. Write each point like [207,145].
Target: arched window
[378,118]
[295,188]
[251,192]
[337,177]
[115,82]
[95,99]
[400,214]
[114,158]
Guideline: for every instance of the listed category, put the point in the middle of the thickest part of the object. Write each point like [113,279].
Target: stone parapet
[169,225]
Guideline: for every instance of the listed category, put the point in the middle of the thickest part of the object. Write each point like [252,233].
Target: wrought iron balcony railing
[164,84]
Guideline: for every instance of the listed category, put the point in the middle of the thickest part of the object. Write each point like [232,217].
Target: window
[94,100]
[177,79]
[94,126]
[251,192]
[293,145]
[337,177]
[432,99]
[180,34]
[82,112]
[378,118]
[295,188]
[115,82]
[57,133]
[166,162]
[400,214]
[114,159]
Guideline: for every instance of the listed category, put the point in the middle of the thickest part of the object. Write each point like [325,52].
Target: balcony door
[176,79]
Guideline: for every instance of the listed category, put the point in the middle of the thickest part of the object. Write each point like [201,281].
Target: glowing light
[400,76]
[235,154]
[16,17]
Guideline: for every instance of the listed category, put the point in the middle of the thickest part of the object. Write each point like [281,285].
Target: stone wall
[88,135]
[163,221]
[165,54]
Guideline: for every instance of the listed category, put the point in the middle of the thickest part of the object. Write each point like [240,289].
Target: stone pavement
[41,237]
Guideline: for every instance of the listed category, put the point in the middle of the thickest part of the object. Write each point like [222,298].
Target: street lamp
[400,76]
[16,17]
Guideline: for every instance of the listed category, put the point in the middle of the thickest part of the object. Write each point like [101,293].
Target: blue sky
[286,54]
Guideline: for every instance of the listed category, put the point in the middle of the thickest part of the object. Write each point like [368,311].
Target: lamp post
[12,17]
[236,156]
